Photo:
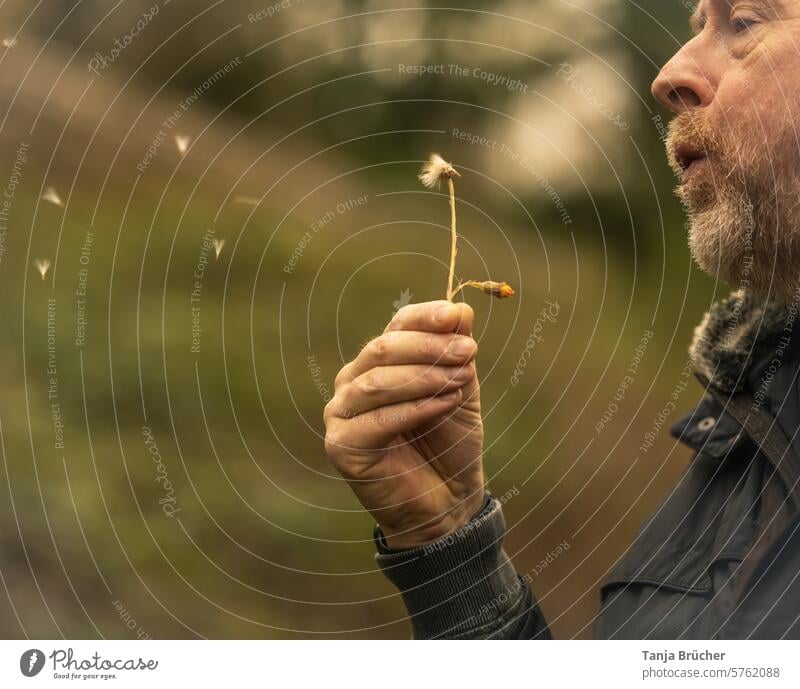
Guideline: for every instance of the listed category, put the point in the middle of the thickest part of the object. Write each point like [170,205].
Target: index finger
[439,316]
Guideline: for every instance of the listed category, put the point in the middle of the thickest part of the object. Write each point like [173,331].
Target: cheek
[764,91]
[738,96]
[745,111]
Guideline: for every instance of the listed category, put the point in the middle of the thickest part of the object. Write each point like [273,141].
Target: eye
[742,24]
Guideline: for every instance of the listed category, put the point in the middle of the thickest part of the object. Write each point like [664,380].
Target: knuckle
[343,376]
[379,347]
[333,443]
[405,312]
[343,409]
[432,379]
[338,407]
[435,346]
[368,383]
[383,345]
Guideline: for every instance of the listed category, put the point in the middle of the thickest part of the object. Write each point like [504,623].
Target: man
[721,557]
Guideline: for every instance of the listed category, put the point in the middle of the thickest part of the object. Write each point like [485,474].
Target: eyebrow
[696,21]
[698,18]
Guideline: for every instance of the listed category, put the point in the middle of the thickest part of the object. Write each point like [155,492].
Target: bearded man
[720,558]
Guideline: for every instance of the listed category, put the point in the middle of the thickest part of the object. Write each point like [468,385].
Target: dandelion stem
[461,285]
[431,175]
[453,240]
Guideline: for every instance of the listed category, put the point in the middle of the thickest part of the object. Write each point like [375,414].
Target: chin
[729,246]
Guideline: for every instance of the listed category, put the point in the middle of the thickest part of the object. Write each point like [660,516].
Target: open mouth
[689,159]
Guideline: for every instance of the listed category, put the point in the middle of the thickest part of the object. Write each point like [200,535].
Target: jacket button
[706,423]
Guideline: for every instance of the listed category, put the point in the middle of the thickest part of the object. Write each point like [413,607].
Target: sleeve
[463,586]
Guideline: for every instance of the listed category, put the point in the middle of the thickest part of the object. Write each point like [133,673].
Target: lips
[688,158]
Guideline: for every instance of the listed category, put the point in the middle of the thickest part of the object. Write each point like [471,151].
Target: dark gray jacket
[719,559]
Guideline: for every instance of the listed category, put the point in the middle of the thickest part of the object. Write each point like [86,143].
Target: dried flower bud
[435,170]
[501,290]
[504,290]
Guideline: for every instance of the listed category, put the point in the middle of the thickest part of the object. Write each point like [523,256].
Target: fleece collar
[737,335]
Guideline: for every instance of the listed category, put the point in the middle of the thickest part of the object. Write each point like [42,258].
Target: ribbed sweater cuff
[460,583]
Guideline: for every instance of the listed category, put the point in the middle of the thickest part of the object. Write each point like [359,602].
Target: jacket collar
[738,339]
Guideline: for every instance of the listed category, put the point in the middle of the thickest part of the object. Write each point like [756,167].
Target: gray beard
[744,212]
[749,240]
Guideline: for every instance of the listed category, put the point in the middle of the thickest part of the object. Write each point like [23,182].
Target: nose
[686,81]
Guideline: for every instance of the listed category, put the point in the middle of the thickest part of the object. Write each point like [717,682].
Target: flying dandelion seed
[51,195]
[431,175]
[9,42]
[217,244]
[42,265]
[246,200]
[182,142]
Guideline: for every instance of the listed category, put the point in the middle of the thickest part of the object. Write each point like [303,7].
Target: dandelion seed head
[435,170]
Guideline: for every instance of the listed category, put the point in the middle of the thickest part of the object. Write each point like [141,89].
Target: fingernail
[443,312]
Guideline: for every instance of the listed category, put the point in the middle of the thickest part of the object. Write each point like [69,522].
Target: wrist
[434,530]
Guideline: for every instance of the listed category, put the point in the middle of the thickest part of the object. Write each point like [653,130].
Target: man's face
[735,143]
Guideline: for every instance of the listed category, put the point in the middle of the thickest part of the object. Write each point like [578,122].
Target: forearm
[464,586]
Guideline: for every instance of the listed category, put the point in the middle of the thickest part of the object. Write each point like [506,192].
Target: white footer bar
[401,664]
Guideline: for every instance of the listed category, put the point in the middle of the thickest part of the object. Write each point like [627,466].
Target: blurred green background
[189,494]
